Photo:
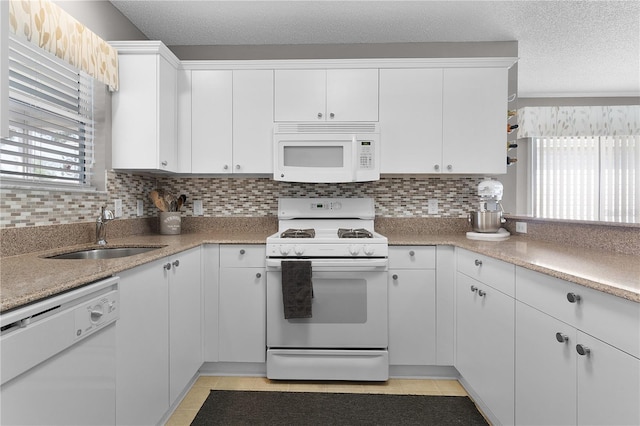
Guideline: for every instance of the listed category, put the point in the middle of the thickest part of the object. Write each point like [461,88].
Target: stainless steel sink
[104,253]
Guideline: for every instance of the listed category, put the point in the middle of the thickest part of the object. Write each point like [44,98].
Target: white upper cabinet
[450,120]
[231,121]
[253,121]
[326,95]
[475,120]
[211,121]
[144,110]
[411,120]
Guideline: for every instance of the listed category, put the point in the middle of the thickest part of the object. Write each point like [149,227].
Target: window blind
[587,178]
[51,128]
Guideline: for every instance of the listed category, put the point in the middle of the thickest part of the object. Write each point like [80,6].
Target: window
[587,178]
[51,129]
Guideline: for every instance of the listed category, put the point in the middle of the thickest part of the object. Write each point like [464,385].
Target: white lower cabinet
[185,321]
[412,305]
[485,322]
[158,344]
[242,304]
[574,371]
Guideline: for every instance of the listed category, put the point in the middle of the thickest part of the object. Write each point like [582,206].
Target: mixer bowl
[486,221]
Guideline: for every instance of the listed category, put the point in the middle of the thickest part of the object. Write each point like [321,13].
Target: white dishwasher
[58,359]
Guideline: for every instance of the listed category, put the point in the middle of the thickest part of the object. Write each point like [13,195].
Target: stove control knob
[284,250]
[298,250]
[354,249]
[369,250]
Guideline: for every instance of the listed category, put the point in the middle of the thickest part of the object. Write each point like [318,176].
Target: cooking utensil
[181,200]
[158,200]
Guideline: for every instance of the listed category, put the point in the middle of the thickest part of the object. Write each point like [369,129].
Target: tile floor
[194,399]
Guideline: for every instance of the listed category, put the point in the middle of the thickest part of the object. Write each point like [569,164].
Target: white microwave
[326,152]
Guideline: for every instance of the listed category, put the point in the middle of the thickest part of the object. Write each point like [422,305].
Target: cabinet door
[253,121]
[211,122]
[185,334]
[608,385]
[352,95]
[485,344]
[242,315]
[412,317]
[300,95]
[210,279]
[411,120]
[475,120]
[142,346]
[134,111]
[168,116]
[545,369]
[184,121]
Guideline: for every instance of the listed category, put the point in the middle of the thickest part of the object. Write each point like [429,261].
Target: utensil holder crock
[170,223]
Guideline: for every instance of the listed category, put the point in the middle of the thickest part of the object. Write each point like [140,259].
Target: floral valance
[579,121]
[44,23]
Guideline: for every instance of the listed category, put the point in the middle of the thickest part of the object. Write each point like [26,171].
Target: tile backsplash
[234,196]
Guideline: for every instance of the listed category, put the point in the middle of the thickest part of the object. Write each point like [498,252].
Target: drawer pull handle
[167,266]
[481,293]
[478,262]
[242,251]
[258,275]
[176,263]
[395,276]
[412,253]
[573,298]
[582,349]
[562,338]
[474,288]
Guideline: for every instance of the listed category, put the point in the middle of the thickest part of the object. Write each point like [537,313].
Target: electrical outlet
[521,227]
[140,207]
[197,208]
[117,207]
[432,205]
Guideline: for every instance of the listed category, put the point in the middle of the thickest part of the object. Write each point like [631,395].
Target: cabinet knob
[573,298]
[176,263]
[474,288]
[332,115]
[258,275]
[167,266]
[395,276]
[242,251]
[478,262]
[436,167]
[449,167]
[412,253]
[237,166]
[562,338]
[582,349]
[319,115]
[481,293]
[164,163]
[226,167]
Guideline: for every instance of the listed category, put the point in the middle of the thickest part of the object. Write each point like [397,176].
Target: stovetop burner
[354,233]
[298,233]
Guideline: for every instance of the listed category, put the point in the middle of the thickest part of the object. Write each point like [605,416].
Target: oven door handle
[274,264]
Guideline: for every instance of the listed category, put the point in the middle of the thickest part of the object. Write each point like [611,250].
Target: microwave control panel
[365,154]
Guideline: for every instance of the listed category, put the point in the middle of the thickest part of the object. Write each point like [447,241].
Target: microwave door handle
[355,160]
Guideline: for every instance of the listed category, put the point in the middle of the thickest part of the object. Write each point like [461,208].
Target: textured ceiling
[566,48]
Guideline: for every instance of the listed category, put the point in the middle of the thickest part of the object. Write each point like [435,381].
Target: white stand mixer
[487,221]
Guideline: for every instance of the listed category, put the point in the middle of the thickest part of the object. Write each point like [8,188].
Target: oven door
[349,309]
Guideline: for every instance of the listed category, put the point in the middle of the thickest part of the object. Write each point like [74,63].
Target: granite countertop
[30,277]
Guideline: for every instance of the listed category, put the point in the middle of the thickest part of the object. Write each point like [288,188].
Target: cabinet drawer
[412,257]
[242,256]
[495,273]
[609,318]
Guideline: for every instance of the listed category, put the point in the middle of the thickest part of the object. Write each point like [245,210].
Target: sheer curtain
[587,178]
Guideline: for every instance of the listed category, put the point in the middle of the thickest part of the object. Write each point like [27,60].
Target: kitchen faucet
[101,226]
